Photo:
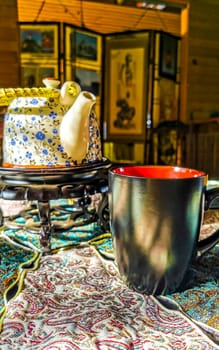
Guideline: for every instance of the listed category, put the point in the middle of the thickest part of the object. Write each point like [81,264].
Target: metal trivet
[40,186]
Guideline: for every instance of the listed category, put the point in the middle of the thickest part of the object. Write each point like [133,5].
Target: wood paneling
[104,18]
[9,44]
[200,64]
[203,63]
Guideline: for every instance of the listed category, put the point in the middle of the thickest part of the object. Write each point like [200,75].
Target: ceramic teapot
[48,127]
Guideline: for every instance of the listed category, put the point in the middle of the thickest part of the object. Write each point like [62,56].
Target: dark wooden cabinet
[203,146]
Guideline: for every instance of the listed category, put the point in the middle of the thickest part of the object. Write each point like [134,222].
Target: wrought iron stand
[45,184]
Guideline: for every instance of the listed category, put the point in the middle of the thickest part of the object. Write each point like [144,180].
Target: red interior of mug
[158,172]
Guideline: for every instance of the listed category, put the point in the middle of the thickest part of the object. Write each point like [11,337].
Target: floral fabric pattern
[77,301]
[75,298]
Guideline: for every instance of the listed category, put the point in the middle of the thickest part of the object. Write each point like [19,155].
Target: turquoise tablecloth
[74,297]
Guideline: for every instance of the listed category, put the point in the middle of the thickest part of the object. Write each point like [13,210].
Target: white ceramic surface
[32,130]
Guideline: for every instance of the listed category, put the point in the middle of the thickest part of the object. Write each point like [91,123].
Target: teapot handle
[208,243]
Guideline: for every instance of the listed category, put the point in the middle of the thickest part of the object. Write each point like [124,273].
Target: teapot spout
[74,128]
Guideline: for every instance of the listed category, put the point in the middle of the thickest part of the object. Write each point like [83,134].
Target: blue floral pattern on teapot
[32,134]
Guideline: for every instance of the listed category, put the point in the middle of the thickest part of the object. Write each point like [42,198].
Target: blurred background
[153,65]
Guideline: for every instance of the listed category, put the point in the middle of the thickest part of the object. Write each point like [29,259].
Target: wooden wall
[203,86]
[203,60]
[9,44]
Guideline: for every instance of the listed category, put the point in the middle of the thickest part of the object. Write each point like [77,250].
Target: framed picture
[125,88]
[69,33]
[168,56]
[47,72]
[82,49]
[39,40]
[28,76]
[88,79]
[32,75]
[86,48]
[168,100]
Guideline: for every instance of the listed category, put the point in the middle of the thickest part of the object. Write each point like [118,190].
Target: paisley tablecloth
[75,299]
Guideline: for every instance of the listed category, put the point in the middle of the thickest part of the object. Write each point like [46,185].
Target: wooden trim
[184,62]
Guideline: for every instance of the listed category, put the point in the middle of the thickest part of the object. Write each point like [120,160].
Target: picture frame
[168,56]
[86,48]
[39,40]
[73,57]
[69,34]
[29,76]
[47,72]
[88,78]
[125,87]
[68,49]
[33,75]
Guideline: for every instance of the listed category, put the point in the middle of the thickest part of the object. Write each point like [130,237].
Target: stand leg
[1,217]
[103,212]
[46,228]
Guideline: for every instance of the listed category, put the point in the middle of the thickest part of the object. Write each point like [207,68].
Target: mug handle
[208,243]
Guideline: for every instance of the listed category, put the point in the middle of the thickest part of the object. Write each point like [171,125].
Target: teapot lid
[51,82]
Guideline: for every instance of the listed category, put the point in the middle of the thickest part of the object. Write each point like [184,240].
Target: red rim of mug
[158,172]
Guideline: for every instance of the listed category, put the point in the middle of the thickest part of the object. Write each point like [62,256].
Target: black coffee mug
[156,214]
